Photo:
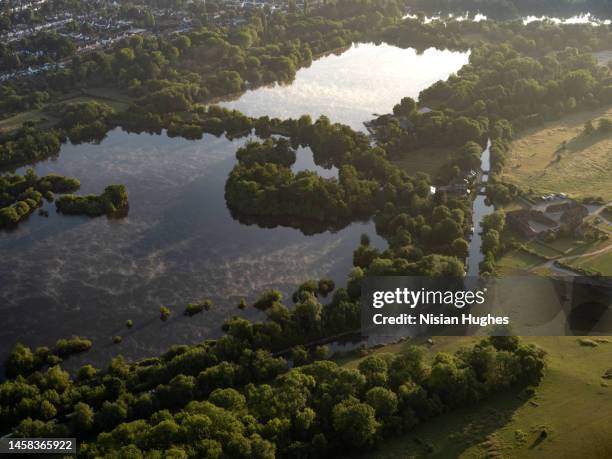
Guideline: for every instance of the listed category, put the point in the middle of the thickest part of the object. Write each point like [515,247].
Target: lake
[71,275]
[349,88]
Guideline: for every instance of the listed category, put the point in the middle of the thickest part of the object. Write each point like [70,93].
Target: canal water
[480,209]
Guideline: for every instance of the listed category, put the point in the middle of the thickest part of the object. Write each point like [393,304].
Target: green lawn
[601,262]
[573,404]
[44,118]
[517,262]
[428,160]
[35,116]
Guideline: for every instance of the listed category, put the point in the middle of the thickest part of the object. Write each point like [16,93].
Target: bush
[111,201]
[195,308]
[74,345]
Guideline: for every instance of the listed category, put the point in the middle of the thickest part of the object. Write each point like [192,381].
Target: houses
[529,222]
[568,216]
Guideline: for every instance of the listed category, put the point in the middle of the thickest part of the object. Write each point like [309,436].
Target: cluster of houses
[105,27]
[101,37]
[568,216]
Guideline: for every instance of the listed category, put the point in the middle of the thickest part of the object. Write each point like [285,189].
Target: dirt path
[581,255]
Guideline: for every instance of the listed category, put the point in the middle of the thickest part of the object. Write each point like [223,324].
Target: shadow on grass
[584,141]
[452,433]
[538,440]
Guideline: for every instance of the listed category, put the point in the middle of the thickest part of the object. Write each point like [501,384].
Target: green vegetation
[233,397]
[113,201]
[510,425]
[25,361]
[164,313]
[236,396]
[28,145]
[20,195]
[83,121]
[195,308]
[566,158]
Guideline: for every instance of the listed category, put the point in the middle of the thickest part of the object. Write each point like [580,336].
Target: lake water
[71,275]
[584,18]
[351,87]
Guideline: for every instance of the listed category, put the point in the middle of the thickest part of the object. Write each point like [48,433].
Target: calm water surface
[351,87]
[75,275]
[480,209]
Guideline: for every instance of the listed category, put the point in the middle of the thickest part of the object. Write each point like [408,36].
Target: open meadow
[557,158]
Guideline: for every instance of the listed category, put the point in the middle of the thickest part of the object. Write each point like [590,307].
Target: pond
[64,276]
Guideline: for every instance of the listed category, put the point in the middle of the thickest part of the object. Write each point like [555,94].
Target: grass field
[15,122]
[516,263]
[573,404]
[44,118]
[601,262]
[584,168]
[428,160]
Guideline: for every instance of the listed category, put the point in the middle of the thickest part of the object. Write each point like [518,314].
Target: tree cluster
[112,201]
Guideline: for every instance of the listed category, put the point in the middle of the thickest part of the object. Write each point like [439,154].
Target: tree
[47,410]
[384,401]
[163,434]
[229,399]
[267,299]
[20,361]
[82,418]
[505,343]
[355,423]
[495,221]
[374,368]
[406,107]
[460,248]
[196,308]
[490,242]
[299,356]
[446,231]
[74,345]
[164,313]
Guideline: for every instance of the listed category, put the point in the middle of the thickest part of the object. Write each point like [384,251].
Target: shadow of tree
[543,435]
[584,141]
